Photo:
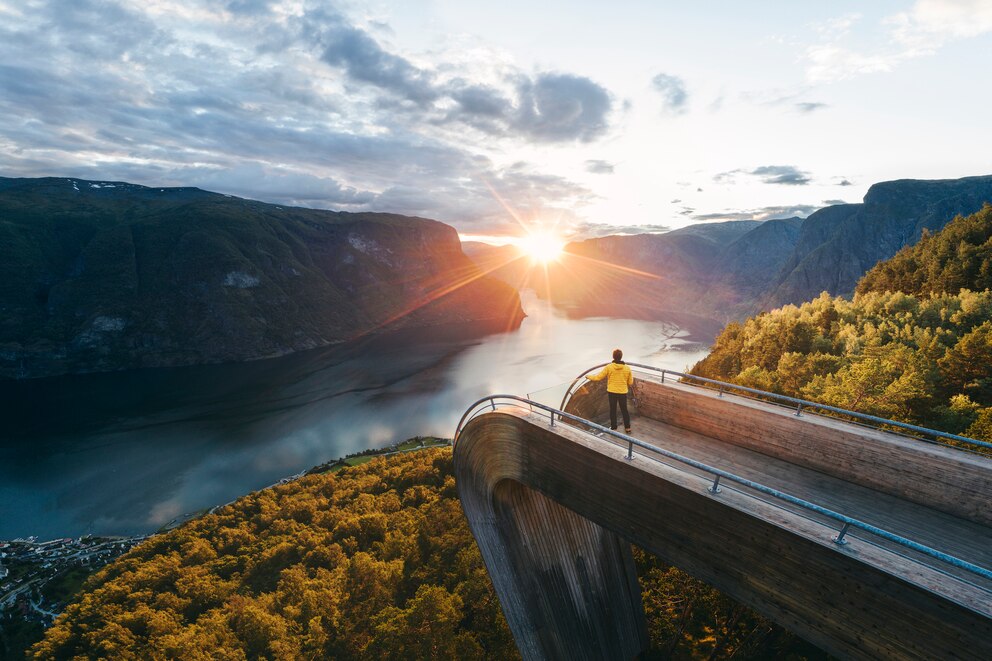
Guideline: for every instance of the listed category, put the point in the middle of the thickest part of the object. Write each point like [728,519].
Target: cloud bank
[925,28]
[786,175]
[762,213]
[290,102]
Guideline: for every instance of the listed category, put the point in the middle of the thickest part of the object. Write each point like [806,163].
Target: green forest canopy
[915,343]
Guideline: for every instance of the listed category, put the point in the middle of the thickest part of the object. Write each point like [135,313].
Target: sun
[542,247]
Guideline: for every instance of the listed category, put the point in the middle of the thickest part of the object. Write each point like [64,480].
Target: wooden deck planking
[963,539]
[932,475]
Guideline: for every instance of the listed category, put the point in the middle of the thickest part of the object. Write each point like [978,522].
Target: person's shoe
[627,430]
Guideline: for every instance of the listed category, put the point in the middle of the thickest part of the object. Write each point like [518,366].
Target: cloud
[763,213]
[255,180]
[546,107]
[365,61]
[556,107]
[551,107]
[838,25]
[830,63]
[844,182]
[931,23]
[585,230]
[787,175]
[830,203]
[599,167]
[923,30]
[249,7]
[304,107]
[784,97]
[672,91]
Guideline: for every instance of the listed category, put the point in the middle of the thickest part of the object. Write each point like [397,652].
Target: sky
[584,118]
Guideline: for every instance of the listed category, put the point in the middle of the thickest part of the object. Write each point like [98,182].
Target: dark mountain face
[663,276]
[101,276]
[837,245]
[726,271]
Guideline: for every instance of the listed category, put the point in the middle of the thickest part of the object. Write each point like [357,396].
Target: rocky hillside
[958,257]
[647,276]
[98,276]
[837,245]
[726,271]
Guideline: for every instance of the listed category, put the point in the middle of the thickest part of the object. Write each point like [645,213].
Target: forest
[372,561]
[914,344]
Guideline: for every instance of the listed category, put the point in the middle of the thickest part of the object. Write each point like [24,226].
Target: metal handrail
[489,402]
[798,403]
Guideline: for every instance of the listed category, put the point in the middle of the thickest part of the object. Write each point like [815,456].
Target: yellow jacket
[618,377]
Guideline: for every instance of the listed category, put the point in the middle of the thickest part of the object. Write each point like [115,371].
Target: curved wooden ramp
[554,509]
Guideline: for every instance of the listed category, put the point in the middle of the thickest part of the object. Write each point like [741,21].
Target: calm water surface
[128,452]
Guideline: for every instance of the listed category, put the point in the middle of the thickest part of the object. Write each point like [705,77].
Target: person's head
[617,355]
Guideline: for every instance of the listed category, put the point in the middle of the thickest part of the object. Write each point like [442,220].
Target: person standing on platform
[619,381]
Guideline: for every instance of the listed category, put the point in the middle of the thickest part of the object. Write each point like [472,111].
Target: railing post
[716,485]
[799,410]
[662,376]
[839,539]
[552,418]
[721,392]
[492,401]
[630,451]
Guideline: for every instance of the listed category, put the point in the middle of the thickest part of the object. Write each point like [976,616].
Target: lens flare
[542,247]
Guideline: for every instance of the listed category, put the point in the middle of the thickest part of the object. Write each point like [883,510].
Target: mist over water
[127,452]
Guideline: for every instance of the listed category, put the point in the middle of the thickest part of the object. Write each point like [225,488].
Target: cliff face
[838,244]
[98,276]
[671,276]
[727,271]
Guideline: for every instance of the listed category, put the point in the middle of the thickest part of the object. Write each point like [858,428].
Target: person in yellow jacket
[619,381]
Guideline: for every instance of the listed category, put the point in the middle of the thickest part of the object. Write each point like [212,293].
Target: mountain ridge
[101,276]
[727,271]
[858,236]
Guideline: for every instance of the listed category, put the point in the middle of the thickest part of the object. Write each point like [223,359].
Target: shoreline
[333,465]
[38,579]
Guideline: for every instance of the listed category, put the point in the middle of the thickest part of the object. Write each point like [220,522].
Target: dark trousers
[615,399]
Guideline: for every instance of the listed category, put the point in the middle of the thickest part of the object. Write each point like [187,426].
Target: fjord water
[127,452]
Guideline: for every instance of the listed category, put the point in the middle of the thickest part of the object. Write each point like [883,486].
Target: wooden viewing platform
[555,508]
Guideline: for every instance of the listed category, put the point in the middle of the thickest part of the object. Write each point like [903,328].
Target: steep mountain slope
[749,266]
[958,257]
[647,275]
[725,271]
[914,344]
[99,276]
[839,244]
